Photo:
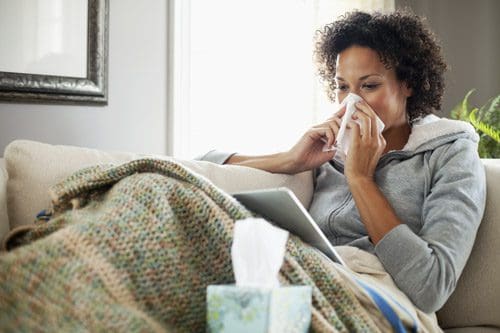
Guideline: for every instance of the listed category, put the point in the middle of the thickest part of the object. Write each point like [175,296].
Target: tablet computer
[281,207]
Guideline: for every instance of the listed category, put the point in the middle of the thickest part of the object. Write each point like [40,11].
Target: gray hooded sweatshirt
[436,185]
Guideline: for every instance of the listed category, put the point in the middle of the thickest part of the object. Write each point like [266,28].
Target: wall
[468,31]
[135,118]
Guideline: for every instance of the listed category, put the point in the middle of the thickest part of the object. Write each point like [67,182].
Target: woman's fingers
[356,131]
[382,143]
[333,125]
[340,112]
[365,124]
[323,133]
[365,109]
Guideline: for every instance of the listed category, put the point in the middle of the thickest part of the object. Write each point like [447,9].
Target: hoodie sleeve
[427,265]
[215,156]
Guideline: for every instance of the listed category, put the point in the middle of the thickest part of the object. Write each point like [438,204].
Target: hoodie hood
[431,132]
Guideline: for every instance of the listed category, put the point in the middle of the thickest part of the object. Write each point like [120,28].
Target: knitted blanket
[133,247]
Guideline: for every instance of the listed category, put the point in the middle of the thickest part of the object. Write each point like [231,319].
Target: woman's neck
[396,137]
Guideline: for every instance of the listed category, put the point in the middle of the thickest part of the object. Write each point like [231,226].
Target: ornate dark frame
[93,89]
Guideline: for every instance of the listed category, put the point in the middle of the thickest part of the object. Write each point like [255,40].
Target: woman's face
[360,71]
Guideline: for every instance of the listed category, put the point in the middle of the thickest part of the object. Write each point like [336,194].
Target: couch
[29,168]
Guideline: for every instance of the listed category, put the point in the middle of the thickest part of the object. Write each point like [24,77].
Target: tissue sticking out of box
[257,253]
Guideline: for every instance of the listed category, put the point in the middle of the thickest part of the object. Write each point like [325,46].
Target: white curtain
[325,10]
[243,76]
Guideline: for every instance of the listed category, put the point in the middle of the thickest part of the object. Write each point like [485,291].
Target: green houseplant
[486,121]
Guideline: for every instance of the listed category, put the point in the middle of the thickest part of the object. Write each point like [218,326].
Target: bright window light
[244,78]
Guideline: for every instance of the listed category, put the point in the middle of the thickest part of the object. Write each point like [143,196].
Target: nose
[341,95]
[358,92]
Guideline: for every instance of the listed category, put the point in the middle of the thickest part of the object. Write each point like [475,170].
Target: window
[244,78]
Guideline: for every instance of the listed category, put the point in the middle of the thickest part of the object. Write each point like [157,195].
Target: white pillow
[33,167]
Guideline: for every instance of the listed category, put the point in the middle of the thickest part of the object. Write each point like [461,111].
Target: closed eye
[371,86]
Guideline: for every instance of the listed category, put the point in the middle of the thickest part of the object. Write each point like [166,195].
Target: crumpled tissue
[343,139]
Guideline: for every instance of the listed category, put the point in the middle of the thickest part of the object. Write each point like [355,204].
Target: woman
[413,195]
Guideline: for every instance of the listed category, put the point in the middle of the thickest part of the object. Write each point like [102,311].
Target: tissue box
[247,309]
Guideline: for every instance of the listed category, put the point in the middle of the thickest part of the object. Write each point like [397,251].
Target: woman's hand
[308,153]
[366,146]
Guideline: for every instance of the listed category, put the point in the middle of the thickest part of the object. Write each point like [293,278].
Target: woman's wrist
[359,181]
[282,163]
[288,163]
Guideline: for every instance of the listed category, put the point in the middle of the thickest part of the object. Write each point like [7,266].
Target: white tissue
[343,139]
[257,253]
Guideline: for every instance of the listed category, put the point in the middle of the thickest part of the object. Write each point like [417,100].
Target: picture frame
[55,89]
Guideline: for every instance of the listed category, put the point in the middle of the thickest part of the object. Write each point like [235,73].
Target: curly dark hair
[403,42]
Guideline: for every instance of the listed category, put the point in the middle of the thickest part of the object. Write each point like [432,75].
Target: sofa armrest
[476,300]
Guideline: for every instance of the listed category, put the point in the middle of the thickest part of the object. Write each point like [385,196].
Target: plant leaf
[487,111]
[465,102]
[483,127]
[461,110]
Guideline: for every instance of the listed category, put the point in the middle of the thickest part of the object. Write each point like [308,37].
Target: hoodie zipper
[333,213]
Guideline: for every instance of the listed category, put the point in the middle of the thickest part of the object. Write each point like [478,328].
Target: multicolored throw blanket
[133,247]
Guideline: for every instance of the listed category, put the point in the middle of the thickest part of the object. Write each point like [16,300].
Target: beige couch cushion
[476,300]
[4,219]
[33,167]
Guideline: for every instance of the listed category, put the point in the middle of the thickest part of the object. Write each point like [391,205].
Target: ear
[406,90]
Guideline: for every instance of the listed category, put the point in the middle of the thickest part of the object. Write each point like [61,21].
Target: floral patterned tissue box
[247,309]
